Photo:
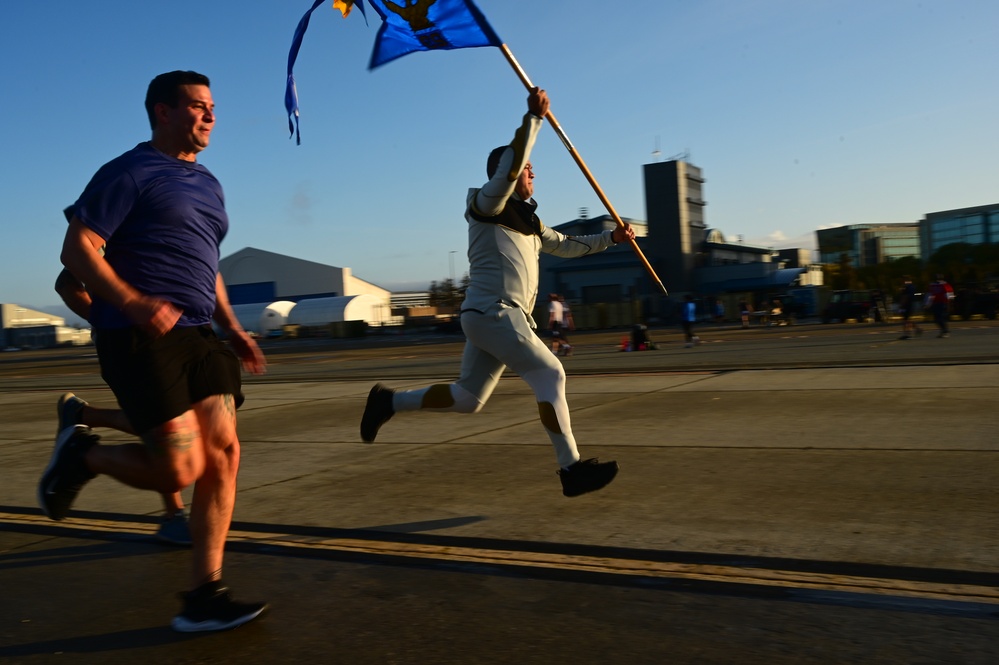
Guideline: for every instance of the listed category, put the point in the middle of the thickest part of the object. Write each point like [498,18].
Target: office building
[975,226]
[868,244]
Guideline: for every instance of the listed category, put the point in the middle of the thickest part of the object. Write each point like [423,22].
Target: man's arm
[244,345]
[553,242]
[491,199]
[623,233]
[74,294]
[81,256]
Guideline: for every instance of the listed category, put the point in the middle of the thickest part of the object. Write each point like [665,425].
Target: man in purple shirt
[155,293]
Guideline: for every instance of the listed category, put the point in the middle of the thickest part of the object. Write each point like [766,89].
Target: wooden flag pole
[582,166]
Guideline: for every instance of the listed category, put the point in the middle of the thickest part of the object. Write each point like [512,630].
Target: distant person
[745,312]
[719,312]
[155,294]
[72,410]
[640,340]
[567,321]
[505,237]
[938,300]
[777,311]
[688,316]
[906,305]
[556,325]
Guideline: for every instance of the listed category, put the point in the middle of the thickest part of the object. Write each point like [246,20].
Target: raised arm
[492,197]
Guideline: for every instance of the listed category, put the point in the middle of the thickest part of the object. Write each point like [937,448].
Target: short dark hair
[494,159]
[164,89]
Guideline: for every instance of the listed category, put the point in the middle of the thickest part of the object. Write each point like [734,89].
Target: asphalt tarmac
[802,494]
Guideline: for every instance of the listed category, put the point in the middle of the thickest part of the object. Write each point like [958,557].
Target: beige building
[21,327]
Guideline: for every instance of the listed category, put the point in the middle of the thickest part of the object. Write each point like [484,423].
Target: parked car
[848,304]
[977,300]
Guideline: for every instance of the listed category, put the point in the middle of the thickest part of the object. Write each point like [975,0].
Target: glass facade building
[976,226]
[868,244]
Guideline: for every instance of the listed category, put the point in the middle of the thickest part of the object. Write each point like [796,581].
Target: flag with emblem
[428,25]
[407,26]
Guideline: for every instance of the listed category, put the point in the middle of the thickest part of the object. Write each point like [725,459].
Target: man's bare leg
[170,458]
[95,416]
[215,489]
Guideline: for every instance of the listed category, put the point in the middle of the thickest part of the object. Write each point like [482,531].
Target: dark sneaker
[905,337]
[377,411]
[587,476]
[69,409]
[174,530]
[67,471]
[210,607]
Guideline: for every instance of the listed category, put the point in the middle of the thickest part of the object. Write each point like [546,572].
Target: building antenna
[657,153]
[681,156]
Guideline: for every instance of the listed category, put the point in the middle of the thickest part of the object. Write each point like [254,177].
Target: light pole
[450,260]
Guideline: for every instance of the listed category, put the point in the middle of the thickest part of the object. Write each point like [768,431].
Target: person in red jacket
[938,300]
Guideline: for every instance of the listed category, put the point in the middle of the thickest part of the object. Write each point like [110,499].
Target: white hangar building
[268,290]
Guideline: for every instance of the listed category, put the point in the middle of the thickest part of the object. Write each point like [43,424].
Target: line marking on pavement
[735,575]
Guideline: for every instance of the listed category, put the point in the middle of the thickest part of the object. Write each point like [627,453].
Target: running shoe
[210,607]
[67,471]
[69,409]
[377,411]
[587,476]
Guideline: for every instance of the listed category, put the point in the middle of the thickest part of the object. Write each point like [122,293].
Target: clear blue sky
[803,115]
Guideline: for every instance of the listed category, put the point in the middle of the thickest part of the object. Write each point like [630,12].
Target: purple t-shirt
[163,220]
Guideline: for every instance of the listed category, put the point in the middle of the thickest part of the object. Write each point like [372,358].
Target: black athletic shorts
[157,379]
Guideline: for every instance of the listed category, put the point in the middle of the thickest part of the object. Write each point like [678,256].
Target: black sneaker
[67,471]
[210,607]
[587,476]
[377,411]
[69,409]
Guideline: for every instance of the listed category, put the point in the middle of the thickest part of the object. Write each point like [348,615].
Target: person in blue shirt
[688,316]
[155,292]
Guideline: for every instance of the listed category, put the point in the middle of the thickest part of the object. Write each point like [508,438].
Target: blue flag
[407,26]
[290,92]
[427,25]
